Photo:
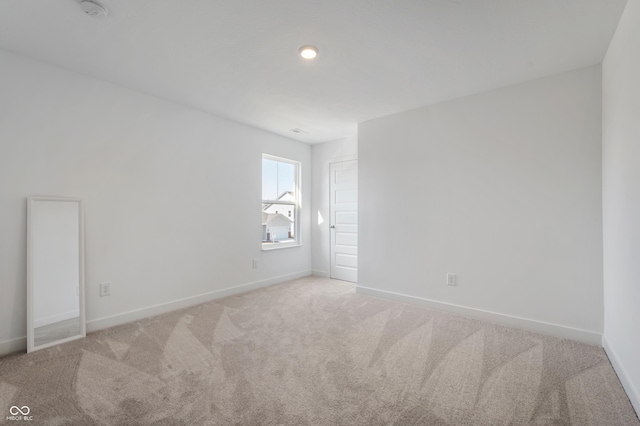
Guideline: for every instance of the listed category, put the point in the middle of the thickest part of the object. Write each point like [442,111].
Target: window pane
[278,180]
[269,179]
[278,223]
[286,178]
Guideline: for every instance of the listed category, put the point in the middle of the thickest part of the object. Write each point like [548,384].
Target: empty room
[195,222]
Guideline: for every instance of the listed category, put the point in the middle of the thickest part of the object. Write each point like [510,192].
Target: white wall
[321,156]
[502,188]
[152,174]
[621,200]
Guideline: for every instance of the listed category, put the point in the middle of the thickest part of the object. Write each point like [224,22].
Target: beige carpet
[312,352]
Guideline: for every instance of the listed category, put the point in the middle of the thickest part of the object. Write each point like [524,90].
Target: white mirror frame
[31,201]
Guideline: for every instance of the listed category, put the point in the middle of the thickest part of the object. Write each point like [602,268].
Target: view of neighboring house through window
[280,194]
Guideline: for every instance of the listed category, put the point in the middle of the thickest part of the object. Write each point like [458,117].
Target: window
[280,202]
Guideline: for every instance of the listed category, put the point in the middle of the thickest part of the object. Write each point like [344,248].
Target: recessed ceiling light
[308,52]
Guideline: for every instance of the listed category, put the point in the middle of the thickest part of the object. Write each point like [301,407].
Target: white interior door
[344,220]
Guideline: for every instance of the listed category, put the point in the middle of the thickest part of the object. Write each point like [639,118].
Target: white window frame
[296,204]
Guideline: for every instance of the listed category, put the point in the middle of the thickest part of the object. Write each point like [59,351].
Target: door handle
[332,227]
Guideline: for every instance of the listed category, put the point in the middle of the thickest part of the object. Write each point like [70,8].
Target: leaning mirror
[55,271]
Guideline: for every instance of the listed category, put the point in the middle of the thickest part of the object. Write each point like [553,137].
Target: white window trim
[296,204]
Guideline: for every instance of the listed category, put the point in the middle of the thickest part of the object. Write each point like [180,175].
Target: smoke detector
[93,8]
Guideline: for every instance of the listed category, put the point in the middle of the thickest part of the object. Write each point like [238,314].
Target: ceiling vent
[296,130]
[93,8]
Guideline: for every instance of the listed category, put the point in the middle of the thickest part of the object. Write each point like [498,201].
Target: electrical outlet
[105,289]
[452,279]
[255,263]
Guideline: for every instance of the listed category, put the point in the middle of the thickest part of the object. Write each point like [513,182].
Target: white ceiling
[238,58]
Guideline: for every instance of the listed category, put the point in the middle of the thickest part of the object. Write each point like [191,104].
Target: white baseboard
[632,392]
[126,317]
[55,318]
[20,344]
[586,336]
[10,346]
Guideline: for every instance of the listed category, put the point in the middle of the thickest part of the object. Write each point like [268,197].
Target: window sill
[268,247]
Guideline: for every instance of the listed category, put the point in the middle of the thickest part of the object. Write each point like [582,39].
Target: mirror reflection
[55,271]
